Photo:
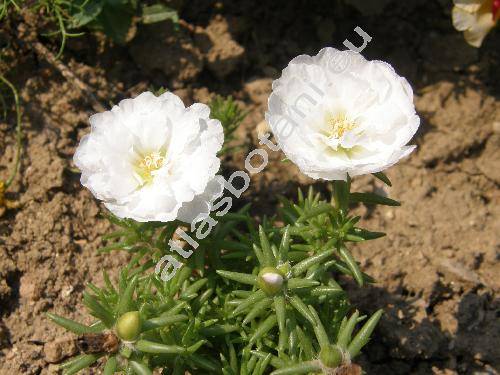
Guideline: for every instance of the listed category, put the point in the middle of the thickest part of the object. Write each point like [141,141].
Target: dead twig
[28,36]
[84,89]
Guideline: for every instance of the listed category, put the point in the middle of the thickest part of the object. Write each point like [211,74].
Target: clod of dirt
[489,159]
[258,90]
[29,289]
[59,349]
[160,47]
[221,51]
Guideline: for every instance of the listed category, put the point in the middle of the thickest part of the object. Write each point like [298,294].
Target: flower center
[338,125]
[148,165]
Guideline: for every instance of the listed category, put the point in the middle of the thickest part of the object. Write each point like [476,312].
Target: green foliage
[227,111]
[6,6]
[251,298]
[113,17]
[159,12]
[59,13]
[217,315]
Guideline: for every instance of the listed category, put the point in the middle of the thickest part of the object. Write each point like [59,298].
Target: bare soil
[437,270]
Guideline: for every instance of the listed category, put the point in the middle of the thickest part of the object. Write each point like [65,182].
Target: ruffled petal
[150,158]
[462,19]
[199,208]
[336,114]
[478,31]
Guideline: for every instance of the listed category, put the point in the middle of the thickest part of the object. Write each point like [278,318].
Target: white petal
[470,6]
[462,19]
[478,31]
[350,90]
[199,208]
[185,140]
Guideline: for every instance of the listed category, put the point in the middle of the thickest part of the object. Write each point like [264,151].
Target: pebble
[55,351]
[389,214]
[496,127]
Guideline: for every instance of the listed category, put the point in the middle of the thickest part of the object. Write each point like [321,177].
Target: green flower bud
[284,268]
[270,280]
[128,326]
[330,356]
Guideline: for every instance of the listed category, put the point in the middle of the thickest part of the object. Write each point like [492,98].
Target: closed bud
[284,268]
[330,356]
[128,326]
[270,280]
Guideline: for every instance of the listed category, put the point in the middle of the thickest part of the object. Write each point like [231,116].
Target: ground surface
[437,270]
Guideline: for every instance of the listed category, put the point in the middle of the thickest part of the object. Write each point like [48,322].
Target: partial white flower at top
[336,114]
[475,18]
[152,159]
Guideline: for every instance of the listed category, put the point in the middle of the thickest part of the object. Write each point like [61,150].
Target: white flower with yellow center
[475,18]
[336,113]
[152,159]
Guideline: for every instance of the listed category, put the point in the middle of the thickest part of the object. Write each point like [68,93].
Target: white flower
[475,18]
[152,159]
[336,113]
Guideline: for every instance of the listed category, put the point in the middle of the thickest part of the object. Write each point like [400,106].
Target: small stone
[57,350]
[29,288]
[389,214]
[496,126]
[67,291]
[53,352]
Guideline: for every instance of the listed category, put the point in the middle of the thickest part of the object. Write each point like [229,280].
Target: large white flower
[475,18]
[336,113]
[152,159]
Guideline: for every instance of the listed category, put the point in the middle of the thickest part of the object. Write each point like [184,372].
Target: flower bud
[330,356]
[284,268]
[270,280]
[128,326]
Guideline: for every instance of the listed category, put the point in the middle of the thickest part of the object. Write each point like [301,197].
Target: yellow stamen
[338,125]
[148,165]
[152,162]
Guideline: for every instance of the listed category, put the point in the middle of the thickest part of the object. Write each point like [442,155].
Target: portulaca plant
[258,295]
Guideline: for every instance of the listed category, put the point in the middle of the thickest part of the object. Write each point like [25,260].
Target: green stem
[341,194]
